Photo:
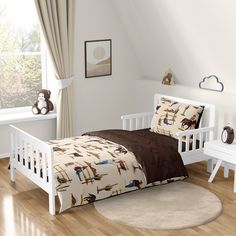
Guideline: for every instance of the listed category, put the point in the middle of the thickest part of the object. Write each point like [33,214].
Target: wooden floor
[24,211]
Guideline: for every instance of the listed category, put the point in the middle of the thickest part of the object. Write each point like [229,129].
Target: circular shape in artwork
[99,53]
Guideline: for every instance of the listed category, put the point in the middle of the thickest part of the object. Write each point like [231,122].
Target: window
[21,55]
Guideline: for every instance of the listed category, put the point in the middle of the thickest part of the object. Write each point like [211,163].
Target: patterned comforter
[89,168]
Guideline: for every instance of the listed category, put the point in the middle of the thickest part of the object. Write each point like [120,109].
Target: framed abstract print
[98,58]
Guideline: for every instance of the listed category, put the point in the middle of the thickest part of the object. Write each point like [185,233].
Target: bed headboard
[208,116]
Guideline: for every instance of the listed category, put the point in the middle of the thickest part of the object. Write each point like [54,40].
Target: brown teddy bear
[43,105]
[168,78]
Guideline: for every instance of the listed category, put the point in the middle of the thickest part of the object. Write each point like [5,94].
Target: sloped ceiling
[193,38]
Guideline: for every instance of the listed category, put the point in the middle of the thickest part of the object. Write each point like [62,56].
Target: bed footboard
[34,159]
[137,121]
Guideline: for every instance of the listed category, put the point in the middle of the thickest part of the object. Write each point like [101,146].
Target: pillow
[171,117]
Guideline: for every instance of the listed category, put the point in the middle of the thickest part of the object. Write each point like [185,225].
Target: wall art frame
[98,58]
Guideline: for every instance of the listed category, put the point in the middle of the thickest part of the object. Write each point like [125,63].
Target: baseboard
[4,155]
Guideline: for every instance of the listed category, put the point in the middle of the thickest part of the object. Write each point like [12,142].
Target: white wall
[99,102]
[193,38]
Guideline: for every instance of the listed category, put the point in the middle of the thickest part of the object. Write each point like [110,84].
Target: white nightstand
[221,152]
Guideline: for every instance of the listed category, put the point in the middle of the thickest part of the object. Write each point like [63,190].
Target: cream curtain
[57,22]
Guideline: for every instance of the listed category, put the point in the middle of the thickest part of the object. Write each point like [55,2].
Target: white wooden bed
[24,145]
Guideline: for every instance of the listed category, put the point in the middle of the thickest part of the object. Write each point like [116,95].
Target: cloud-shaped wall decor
[211,82]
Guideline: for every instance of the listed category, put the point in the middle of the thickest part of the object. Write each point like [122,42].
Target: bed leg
[12,172]
[51,199]
[52,209]
[226,170]
[210,166]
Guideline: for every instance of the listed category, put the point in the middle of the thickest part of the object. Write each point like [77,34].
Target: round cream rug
[173,206]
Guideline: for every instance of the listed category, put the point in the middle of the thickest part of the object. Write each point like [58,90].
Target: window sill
[6,119]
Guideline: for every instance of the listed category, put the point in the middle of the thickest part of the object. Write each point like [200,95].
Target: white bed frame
[41,151]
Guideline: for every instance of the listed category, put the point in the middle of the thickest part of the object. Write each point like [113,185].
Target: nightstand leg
[210,166]
[218,164]
[226,170]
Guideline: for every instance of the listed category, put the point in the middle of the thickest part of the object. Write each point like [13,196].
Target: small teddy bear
[43,105]
[168,78]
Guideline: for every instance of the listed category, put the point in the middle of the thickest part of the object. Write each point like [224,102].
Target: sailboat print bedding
[102,164]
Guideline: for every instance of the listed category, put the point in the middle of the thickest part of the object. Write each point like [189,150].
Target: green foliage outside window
[20,63]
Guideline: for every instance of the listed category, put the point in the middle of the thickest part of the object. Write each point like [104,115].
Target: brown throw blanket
[157,154]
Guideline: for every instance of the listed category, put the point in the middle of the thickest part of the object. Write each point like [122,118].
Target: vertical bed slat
[32,158]
[200,140]
[187,143]
[148,122]
[26,155]
[143,122]
[21,150]
[130,124]
[207,136]
[180,144]
[194,142]
[44,164]
[123,124]
[137,123]
[16,148]
[38,162]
